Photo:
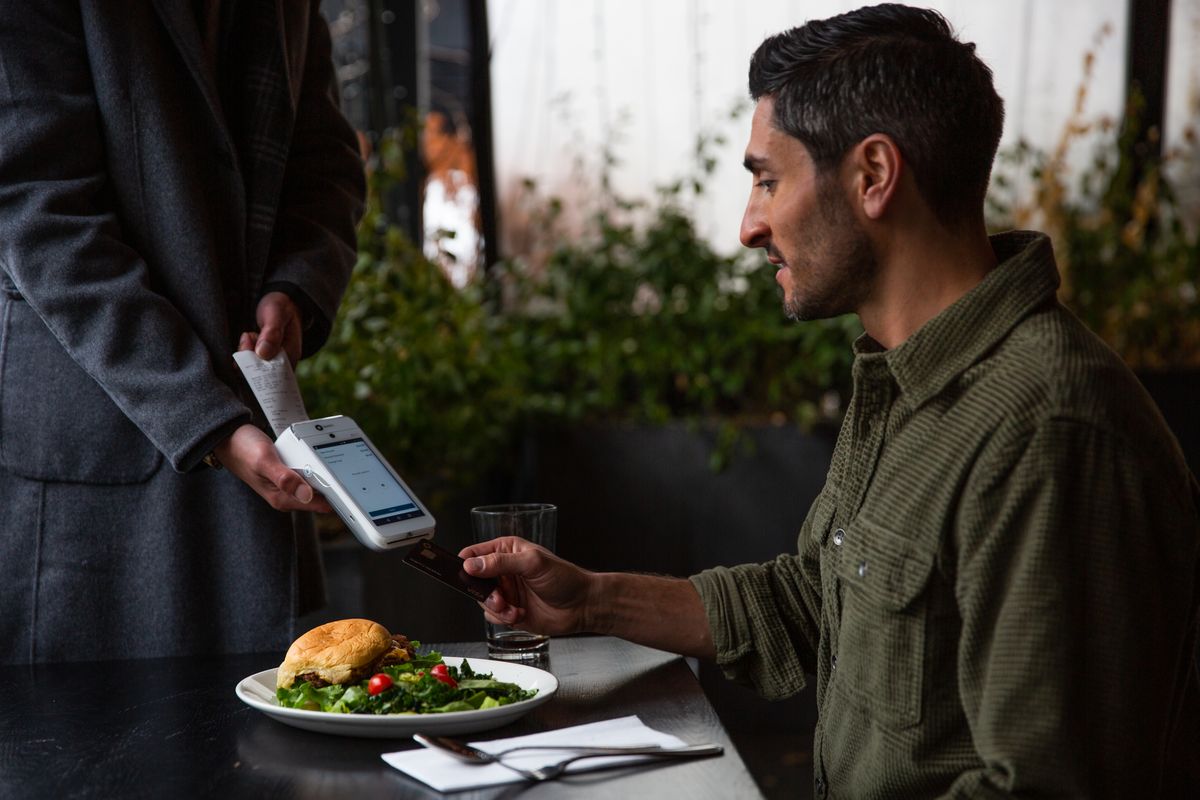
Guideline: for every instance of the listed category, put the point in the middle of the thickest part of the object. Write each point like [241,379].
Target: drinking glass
[537,522]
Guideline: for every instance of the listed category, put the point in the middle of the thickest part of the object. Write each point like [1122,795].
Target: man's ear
[878,166]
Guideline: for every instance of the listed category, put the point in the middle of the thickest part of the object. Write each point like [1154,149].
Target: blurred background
[551,303]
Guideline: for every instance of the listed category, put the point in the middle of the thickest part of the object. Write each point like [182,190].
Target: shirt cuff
[727,618]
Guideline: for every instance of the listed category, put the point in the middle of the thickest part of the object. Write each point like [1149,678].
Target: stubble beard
[843,269]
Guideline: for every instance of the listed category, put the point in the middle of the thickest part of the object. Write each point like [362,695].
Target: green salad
[425,685]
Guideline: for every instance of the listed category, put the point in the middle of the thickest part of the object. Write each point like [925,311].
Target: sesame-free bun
[336,652]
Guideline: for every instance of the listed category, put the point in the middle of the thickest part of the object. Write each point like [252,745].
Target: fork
[474,755]
[551,771]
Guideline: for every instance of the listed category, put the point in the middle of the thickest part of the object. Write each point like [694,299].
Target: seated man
[997,587]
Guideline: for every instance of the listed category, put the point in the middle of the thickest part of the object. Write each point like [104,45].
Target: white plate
[258,691]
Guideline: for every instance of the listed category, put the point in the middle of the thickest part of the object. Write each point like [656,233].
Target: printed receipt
[274,385]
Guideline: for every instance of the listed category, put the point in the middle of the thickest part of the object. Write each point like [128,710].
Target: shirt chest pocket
[880,653]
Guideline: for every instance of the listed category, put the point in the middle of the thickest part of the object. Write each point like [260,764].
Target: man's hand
[538,590]
[541,592]
[280,327]
[251,456]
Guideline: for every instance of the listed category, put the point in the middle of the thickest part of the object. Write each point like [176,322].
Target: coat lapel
[264,104]
[180,22]
[266,118]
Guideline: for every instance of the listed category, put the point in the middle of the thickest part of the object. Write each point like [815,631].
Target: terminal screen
[368,481]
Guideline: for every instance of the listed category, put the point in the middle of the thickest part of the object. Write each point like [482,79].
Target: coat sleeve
[1075,583]
[63,251]
[314,244]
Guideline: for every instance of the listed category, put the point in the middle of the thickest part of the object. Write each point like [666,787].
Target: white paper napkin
[446,773]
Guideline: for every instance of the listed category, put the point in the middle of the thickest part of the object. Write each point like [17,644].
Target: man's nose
[754,232]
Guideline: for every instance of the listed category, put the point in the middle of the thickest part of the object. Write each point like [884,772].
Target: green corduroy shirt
[997,586]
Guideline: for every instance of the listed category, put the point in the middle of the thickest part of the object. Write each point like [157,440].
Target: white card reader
[339,461]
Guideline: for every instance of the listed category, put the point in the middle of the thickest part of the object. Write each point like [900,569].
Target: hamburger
[342,652]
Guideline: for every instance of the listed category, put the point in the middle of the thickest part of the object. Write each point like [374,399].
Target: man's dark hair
[895,70]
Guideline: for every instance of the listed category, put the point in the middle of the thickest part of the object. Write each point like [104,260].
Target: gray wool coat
[128,268]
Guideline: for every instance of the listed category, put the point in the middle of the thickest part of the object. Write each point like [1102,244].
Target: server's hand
[251,456]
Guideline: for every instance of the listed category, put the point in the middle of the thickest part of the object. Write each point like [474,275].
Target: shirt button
[838,536]
[862,569]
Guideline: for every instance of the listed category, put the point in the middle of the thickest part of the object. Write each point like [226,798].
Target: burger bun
[336,652]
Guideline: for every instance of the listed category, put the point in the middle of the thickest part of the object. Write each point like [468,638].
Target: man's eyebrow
[755,163]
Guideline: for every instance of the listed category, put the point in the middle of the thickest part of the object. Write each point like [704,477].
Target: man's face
[805,223]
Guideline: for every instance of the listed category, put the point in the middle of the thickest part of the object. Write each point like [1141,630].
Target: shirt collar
[944,347]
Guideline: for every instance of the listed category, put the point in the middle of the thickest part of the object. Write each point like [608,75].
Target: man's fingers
[475,550]
[279,326]
[269,340]
[298,488]
[250,455]
[290,482]
[485,566]
[510,544]
[498,610]
[497,564]
[510,616]
[284,500]
[294,493]
[303,493]
[496,602]
[272,318]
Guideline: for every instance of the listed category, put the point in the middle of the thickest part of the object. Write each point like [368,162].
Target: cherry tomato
[440,672]
[380,682]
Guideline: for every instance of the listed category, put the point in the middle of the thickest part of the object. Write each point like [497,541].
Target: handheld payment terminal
[339,461]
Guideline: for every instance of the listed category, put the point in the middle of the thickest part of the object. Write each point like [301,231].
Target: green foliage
[1127,249]
[423,367]
[635,319]
[646,323]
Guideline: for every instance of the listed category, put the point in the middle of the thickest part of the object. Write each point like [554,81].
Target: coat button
[862,569]
[838,537]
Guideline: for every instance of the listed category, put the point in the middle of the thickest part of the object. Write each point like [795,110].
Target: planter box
[645,498]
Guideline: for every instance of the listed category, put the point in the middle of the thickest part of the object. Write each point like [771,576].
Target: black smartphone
[448,568]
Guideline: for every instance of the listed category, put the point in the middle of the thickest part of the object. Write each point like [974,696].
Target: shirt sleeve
[1075,578]
[324,186]
[765,618]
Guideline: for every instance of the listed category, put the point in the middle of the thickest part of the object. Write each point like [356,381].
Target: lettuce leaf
[425,695]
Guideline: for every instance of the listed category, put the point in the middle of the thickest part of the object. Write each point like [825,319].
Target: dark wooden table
[173,728]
